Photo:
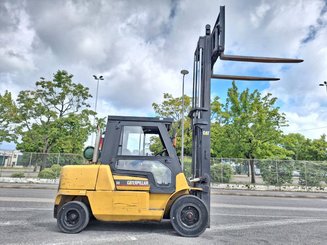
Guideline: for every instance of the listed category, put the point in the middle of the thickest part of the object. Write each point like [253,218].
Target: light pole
[324,84]
[184,72]
[96,98]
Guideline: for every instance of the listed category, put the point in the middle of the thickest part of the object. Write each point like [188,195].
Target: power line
[301,130]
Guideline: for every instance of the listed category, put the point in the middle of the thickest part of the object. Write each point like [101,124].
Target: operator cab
[142,147]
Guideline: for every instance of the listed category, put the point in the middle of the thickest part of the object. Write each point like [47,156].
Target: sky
[141,46]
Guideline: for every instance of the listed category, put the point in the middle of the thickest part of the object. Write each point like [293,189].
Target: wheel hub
[189,215]
[72,217]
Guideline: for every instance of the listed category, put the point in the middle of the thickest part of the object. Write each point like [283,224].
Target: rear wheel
[73,217]
[189,216]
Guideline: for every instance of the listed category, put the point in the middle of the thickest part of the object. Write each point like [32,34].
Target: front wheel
[73,217]
[189,216]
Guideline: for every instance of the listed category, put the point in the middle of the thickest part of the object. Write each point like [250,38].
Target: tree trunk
[252,171]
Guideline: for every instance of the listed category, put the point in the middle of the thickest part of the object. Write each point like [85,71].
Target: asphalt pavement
[26,218]
[214,190]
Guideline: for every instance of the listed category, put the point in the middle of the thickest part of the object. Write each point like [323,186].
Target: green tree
[7,115]
[298,145]
[306,149]
[251,126]
[318,149]
[222,143]
[172,107]
[54,117]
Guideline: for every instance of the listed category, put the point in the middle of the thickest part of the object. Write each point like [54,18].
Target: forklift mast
[209,48]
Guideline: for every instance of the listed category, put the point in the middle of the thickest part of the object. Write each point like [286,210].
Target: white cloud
[309,125]
[279,28]
[15,40]
[141,46]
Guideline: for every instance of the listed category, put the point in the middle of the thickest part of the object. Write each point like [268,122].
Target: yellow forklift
[129,181]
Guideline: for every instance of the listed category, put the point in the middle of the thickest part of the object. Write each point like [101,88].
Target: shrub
[325,176]
[18,175]
[221,173]
[216,170]
[56,168]
[311,174]
[47,173]
[276,173]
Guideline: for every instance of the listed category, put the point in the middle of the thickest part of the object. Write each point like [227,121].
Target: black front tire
[73,217]
[189,216]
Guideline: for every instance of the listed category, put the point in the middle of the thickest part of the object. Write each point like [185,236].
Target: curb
[278,194]
[261,187]
[29,186]
[11,180]
[214,191]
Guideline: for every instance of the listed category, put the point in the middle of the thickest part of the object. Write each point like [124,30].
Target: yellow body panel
[110,202]
[181,182]
[122,206]
[158,201]
[79,177]
[105,181]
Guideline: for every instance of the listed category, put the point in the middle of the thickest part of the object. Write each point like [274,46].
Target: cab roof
[141,119]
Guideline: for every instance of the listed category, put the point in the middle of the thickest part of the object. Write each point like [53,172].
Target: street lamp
[324,84]
[184,72]
[96,97]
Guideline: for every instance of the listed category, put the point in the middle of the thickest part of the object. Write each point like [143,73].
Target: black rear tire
[73,217]
[189,216]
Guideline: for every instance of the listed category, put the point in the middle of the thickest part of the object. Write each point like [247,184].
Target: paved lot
[26,218]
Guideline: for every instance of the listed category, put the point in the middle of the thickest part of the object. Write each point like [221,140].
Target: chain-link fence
[29,159]
[29,164]
[266,172]
[48,159]
[223,170]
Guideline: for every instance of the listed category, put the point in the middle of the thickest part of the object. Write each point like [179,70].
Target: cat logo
[132,182]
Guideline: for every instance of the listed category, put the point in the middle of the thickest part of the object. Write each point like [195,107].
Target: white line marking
[26,199]
[257,215]
[133,238]
[12,209]
[262,224]
[13,223]
[217,205]
[99,239]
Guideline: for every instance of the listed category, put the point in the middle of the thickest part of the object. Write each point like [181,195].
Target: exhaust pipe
[96,146]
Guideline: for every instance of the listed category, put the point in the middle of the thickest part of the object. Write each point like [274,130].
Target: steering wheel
[160,152]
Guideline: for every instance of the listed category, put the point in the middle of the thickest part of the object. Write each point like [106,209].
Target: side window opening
[161,173]
[141,141]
